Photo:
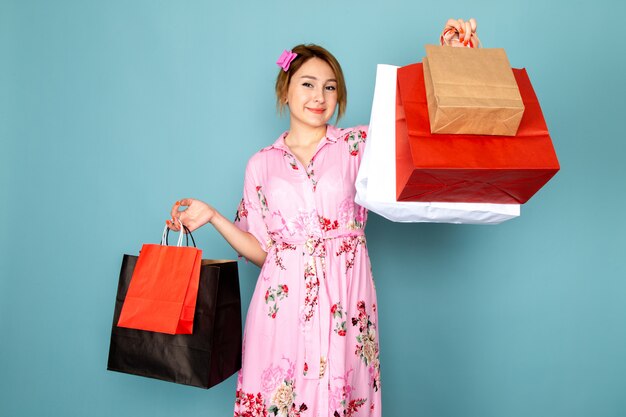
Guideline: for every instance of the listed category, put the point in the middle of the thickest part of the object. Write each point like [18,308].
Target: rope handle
[184,230]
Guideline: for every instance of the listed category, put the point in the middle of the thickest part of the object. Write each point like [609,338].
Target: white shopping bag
[376,180]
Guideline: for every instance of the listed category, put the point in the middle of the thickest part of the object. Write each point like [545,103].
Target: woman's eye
[307,84]
[331,88]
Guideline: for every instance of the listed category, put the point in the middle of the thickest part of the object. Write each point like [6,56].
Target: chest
[304,154]
[327,177]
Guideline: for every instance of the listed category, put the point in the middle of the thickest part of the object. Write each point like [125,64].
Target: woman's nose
[319,95]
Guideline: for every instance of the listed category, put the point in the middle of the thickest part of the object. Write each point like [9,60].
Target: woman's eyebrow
[315,78]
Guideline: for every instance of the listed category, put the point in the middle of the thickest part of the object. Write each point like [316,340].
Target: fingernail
[178,203]
[167,222]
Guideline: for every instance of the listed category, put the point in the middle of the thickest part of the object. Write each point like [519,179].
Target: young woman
[311,341]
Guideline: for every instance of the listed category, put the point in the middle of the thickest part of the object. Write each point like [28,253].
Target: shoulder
[258,163]
[346,133]
[353,140]
[359,128]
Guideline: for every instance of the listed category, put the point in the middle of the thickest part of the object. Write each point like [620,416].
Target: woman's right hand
[460,33]
[196,214]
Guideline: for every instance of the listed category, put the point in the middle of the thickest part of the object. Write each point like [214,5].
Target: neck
[305,135]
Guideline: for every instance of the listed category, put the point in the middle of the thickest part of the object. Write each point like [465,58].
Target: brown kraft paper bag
[471,91]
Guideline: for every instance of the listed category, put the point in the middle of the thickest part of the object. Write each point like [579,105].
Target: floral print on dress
[352,216]
[326,224]
[338,315]
[278,249]
[249,405]
[351,408]
[315,247]
[322,366]
[275,374]
[273,295]
[367,346]
[278,385]
[340,402]
[305,223]
[354,138]
[349,245]
[241,211]
[312,285]
[310,173]
[292,160]
[262,200]
[282,403]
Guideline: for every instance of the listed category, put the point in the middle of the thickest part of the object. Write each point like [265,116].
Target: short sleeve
[356,139]
[251,212]
[361,132]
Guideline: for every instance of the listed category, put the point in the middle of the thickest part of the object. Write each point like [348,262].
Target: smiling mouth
[316,111]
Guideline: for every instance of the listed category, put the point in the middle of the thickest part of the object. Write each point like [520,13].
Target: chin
[318,122]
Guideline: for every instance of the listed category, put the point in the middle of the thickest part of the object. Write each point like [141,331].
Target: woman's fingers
[174,211]
[454,24]
[177,215]
[185,202]
[466,31]
[172,225]
[459,29]
[194,214]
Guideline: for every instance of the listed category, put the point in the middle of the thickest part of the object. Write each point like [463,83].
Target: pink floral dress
[310,343]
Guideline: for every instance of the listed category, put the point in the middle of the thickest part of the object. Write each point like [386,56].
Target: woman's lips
[316,111]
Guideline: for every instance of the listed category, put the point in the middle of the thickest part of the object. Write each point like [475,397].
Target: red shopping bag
[163,290]
[468,168]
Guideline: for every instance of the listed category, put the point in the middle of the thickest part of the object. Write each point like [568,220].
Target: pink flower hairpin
[284,61]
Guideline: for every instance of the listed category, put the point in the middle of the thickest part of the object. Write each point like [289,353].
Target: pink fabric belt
[331,234]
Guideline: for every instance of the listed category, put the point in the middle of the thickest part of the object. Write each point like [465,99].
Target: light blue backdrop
[112,110]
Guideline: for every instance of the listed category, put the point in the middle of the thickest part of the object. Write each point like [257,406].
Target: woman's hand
[460,33]
[197,214]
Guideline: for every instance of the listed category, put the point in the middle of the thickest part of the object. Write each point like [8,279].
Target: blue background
[110,111]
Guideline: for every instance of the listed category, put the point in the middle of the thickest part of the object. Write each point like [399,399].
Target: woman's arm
[199,213]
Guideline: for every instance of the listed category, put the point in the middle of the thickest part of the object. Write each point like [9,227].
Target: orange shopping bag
[163,290]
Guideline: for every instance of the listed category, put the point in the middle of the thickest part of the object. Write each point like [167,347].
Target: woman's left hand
[196,214]
[460,33]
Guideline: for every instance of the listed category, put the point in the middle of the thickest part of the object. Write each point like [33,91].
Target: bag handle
[184,230]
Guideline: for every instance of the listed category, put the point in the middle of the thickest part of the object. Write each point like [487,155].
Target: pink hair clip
[285,59]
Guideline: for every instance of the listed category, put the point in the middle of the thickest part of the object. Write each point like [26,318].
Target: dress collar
[332,135]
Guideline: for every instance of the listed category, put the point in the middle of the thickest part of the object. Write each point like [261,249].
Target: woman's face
[312,94]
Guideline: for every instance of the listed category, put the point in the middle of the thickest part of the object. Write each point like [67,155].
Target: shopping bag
[468,168]
[471,91]
[202,359]
[162,293]
[376,179]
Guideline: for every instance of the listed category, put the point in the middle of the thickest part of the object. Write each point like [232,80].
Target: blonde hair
[305,53]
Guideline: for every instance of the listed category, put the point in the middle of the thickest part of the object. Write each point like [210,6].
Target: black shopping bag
[202,359]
